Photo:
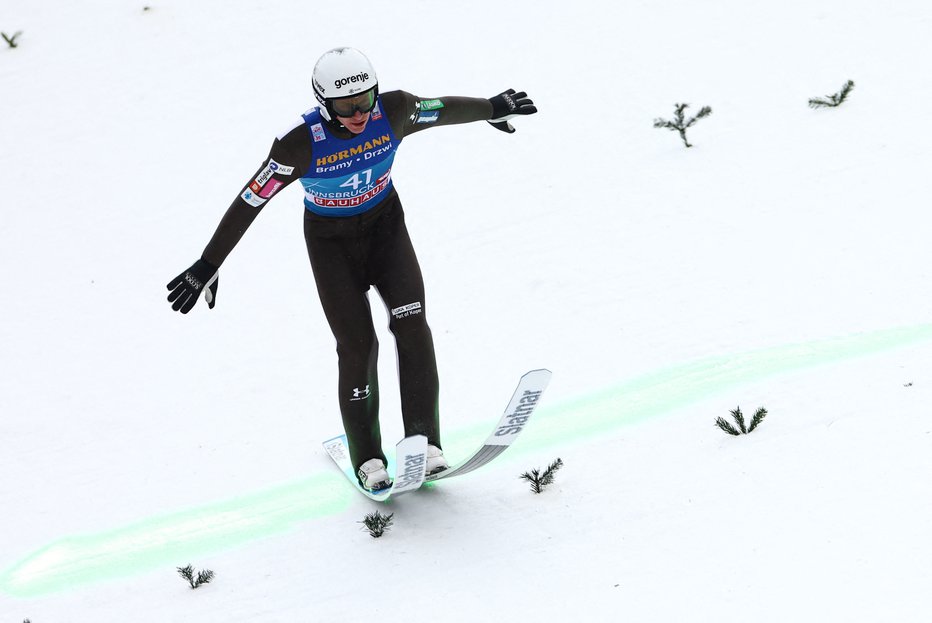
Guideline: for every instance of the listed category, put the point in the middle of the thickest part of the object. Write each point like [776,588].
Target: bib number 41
[355,181]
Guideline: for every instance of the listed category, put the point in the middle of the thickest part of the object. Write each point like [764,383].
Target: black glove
[509,105]
[186,287]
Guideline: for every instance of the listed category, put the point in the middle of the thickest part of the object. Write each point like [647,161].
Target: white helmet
[342,72]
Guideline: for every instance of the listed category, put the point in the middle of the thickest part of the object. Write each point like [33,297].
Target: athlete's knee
[411,330]
[360,350]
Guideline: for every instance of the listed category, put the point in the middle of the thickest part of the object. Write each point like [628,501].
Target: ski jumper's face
[357,123]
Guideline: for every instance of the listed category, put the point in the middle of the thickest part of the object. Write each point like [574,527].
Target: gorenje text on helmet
[360,77]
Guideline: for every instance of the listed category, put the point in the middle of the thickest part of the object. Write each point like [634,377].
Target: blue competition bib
[348,176]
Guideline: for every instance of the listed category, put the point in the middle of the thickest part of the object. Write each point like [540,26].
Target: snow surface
[783,261]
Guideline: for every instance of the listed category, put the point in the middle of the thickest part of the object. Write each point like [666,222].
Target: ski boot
[373,476]
[435,461]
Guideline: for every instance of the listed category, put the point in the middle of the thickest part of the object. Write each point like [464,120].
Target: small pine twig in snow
[187,573]
[377,523]
[739,418]
[550,472]
[726,426]
[533,477]
[743,428]
[679,123]
[835,100]
[757,419]
[202,577]
[539,481]
[11,41]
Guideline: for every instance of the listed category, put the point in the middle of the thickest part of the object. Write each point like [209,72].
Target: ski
[516,416]
[410,461]
[411,452]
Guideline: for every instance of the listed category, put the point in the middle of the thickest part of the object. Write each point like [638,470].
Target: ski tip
[333,439]
[541,373]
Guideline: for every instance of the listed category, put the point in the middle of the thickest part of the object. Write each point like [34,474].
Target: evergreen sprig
[757,419]
[739,418]
[743,428]
[540,480]
[203,577]
[679,122]
[11,41]
[726,426]
[377,523]
[835,100]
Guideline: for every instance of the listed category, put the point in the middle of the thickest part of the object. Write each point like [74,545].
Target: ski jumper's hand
[508,105]
[186,287]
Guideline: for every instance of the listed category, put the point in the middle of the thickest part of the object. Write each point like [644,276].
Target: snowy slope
[780,262]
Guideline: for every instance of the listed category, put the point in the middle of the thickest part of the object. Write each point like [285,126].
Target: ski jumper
[354,228]
[356,238]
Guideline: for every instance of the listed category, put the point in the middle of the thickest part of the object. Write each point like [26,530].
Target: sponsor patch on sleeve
[428,116]
[266,174]
[281,169]
[317,131]
[270,189]
[252,198]
[431,104]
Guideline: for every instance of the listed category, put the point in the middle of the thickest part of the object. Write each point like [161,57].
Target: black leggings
[348,254]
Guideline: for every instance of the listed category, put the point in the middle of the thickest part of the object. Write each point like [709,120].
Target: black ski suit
[349,254]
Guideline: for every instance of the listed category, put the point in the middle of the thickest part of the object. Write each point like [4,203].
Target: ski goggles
[348,106]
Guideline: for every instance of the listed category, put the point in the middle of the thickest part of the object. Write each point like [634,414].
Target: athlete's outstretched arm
[409,113]
[287,161]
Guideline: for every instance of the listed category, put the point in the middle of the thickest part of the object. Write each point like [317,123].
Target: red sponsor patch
[270,188]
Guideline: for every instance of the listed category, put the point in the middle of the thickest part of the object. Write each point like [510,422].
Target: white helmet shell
[342,72]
